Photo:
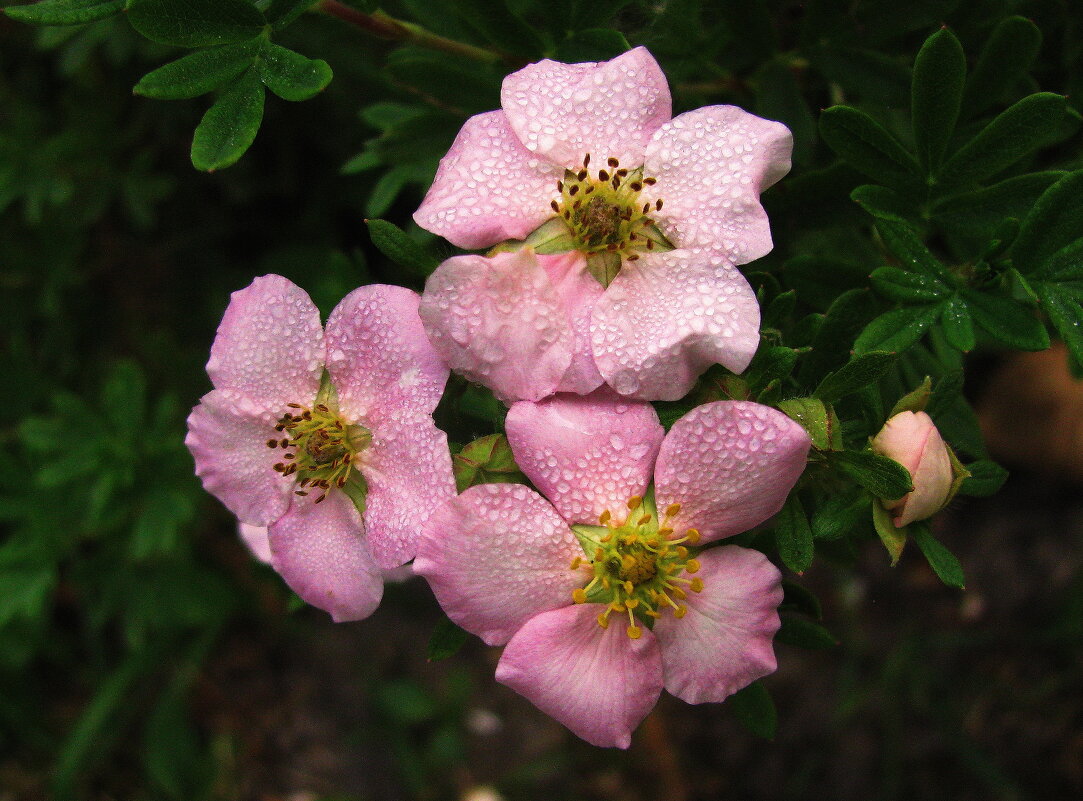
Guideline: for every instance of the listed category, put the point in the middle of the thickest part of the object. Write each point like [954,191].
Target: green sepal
[551,237]
[959,475]
[199,72]
[914,401]
[445,641]
[357,490]
[589,537]
[604,266]
[290,75]
[487,460]
[65,12]
[941,560]
[230,126]
[894,539]
[817,418]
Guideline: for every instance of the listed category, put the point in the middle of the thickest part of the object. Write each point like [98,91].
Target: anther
[692,565]
[560,186]
[633,257]
[582,176]
[579,596]
[680,611]
[658,204]
[634,502]
[318,500]
[621,172]
[635,632]
[574,189]
[696,585]
[603,518]
[644,520]
[650,181]
[284,443]
[603,175]
[555,206]
[294,406]
[613,162]
[272,443]
[693,535]
[586,160]
[302,493]
[288,455]
[278,468]
[636,186]
[322,408]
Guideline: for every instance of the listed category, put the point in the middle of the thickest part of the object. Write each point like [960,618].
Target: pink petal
[233,461]
[667,317]
[255,537]
[730,464]
[320,550]
[497,555]
[611,108]
[711,165]
[499,322]
[408,470]
[269,348]
[379,358]
[585,454]
[578,292]
[724,642]
[597,682]
[489,187]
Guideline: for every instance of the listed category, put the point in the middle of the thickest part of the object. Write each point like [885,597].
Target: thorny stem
[385,27]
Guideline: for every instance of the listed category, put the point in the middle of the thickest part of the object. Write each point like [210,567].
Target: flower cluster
[615,232]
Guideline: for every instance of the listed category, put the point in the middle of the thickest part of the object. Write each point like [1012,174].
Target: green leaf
[290,75]
[1066,315]
[872,76]
[755,710]
[1064,266]
[817,419]
[884,203]
[502,26]
[914,401]
[906,287]
[941,560]
[902,240]
[839,515]
[957,324]
[229,127]
[594,44]
[805,634]
[793,537]
[936,95]
[199,72]
[883,477]
[1008,54]
[986,478]
[394,243]
[1054,222]
[893,538]
[897,330]
[1007,320]
[281,13]
[867,146]
[800,599]
[1021,129]
[445,642]
[857,373]
[196,23]
[65,12]
[779,97]
[833,341]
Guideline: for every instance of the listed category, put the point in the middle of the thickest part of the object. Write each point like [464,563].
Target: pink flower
[304,427]
[912,440]
[590,589]
[649,214]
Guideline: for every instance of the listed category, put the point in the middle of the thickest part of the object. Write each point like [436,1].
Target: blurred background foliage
[144,654]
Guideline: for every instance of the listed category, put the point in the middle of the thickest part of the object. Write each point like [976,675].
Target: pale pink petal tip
[730,465]
[725,641]
[488,187]
[598,682]
[586,454]
[320,551]
[495,556]
[499,322]
[608,109]
[701,311]
[256,538]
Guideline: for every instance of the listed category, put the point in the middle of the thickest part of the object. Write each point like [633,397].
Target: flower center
[319,448]
[607,219]
[637,566]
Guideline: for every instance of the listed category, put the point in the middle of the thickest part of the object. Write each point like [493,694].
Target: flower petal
[711,165]
[320,550]
[597,682]
[667,317]
[578,292]
[730,464]
[608,109]
[488,187]
[379,358]
[585,454]
[255,537]
[233,461]
[497,555]
[724,642]
[499,322]
[408,471]
[269,349]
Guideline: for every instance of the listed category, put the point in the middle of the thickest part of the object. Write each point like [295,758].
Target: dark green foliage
[230,125]
[65,12]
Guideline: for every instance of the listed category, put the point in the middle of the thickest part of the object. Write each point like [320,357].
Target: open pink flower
[593,590]
[304,426]
[584,160]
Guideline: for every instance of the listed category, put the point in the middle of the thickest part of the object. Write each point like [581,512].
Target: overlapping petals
[385,380]
[483,551]
[666,317]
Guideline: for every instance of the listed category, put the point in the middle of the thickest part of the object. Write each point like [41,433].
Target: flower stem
[381,25]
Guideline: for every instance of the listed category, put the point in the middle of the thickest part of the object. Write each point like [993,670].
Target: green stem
[385,27]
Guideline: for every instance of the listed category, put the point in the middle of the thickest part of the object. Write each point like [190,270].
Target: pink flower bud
[911,439]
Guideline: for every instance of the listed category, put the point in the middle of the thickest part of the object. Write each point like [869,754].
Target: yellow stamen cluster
[319,448]
[605,213]
[637,566]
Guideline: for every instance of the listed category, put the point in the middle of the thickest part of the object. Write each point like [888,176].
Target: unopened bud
[912,440]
